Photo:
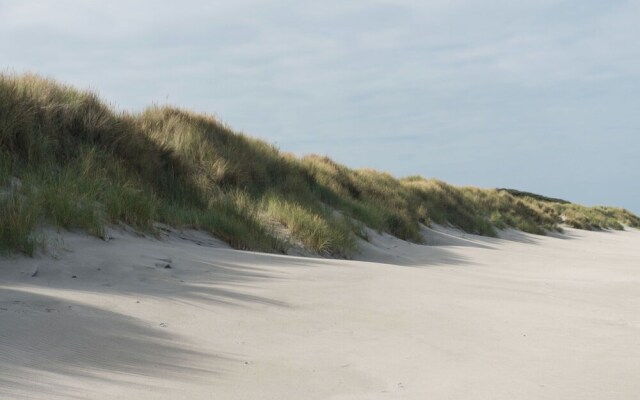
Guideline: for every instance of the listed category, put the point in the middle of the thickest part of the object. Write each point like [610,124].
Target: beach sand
[186,317]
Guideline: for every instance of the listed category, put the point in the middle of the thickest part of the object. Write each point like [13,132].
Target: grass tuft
[18,219]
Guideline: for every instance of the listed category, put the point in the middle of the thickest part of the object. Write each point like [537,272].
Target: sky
[538,95]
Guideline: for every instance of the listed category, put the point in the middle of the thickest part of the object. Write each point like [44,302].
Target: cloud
[467,81]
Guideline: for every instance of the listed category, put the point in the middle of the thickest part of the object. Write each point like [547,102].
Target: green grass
[83,166]
[317,229]
[18,219]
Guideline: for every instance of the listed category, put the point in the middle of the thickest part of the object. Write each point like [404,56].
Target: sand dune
[522,317]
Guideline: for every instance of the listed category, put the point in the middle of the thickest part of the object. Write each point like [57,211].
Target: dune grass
[18,219]
[81,165]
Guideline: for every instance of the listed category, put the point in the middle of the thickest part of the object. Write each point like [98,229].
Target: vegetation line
[70,161]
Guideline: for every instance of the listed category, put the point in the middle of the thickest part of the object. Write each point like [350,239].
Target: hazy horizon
[540,96]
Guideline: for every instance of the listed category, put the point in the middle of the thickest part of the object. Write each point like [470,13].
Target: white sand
[524,318]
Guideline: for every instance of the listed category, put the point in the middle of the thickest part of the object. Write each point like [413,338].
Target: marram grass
[83,166]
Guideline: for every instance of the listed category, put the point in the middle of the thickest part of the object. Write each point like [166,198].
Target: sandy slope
[524,317]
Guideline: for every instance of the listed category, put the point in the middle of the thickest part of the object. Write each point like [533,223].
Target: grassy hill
[70,161]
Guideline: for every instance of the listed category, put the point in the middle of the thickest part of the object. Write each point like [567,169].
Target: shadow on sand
[45,336]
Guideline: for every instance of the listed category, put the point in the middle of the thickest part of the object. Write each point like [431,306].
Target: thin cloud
[434,87]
